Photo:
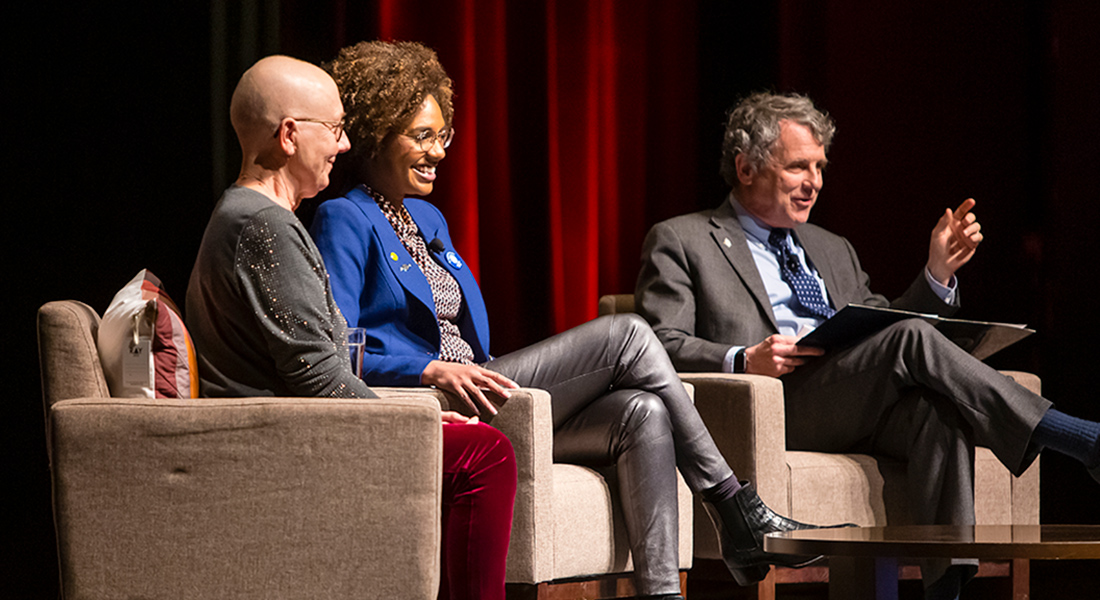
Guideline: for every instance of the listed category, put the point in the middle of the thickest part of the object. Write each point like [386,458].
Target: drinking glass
[357,339]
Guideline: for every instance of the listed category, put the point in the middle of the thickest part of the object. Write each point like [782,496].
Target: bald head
[274,88]
[288,118]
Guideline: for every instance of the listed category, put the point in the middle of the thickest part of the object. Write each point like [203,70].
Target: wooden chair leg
[765,590]
[1021,579]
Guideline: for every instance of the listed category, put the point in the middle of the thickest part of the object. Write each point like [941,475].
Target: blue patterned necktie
[807,291]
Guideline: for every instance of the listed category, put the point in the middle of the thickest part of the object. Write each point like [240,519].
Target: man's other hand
[777,355]
[954,240]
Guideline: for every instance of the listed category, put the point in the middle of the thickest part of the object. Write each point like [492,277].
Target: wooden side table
[863,561]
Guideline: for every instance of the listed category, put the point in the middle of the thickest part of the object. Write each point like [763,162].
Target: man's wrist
[739,361]
[731,356]
[945,292]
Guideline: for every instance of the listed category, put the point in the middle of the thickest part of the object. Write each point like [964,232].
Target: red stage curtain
[575,130]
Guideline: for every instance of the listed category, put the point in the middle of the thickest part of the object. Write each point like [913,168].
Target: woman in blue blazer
[616,399]
[379,287]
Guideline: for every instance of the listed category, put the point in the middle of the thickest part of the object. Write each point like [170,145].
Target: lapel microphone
[436,245]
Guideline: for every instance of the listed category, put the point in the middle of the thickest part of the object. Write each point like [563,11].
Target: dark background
[116,142]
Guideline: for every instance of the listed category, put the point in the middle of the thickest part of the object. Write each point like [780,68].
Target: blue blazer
[379,287]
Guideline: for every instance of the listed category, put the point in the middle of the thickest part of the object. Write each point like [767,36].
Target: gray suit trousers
[911,394]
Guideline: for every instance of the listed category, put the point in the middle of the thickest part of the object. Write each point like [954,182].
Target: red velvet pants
[479,486]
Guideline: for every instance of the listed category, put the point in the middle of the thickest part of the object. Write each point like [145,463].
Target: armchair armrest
[527,420]
[745,416]
[287,497]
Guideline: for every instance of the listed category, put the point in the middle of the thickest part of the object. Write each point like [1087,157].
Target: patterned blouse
[445,289]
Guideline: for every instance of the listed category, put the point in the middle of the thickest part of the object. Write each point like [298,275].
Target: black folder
[858,321]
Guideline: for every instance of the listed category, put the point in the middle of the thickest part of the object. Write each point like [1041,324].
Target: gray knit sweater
[260,309]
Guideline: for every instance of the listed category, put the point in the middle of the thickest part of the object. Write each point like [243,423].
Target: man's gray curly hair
[752,128]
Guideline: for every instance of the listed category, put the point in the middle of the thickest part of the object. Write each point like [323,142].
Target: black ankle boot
[741,522]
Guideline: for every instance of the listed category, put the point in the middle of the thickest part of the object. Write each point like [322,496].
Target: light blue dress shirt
[780,293]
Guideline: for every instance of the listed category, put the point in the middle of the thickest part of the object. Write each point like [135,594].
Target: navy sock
[722,491]
[1070,436]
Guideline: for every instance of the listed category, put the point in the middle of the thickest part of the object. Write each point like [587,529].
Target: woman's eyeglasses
[426,138]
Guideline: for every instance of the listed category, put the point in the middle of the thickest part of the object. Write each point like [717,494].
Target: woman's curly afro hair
[382,86]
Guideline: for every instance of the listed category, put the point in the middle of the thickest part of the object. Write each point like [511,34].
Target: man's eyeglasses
[336,127]
[426,138]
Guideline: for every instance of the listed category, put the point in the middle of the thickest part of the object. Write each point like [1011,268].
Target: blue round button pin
[453,259]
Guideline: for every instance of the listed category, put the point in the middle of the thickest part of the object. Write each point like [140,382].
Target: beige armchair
[234,498]
[745,414]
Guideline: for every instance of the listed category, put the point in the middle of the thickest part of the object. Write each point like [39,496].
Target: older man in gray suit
[731,289]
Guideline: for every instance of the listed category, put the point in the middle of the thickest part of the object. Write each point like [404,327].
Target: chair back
[613,304]
[67,353]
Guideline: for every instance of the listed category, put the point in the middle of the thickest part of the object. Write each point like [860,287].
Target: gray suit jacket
[700,289]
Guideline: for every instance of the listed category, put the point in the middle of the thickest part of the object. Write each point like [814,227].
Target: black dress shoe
[951,583]
[742,521]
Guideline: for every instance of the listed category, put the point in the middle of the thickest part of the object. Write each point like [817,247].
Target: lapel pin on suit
[726,242]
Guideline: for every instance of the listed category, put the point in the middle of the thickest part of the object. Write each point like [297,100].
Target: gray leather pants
[616,400]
